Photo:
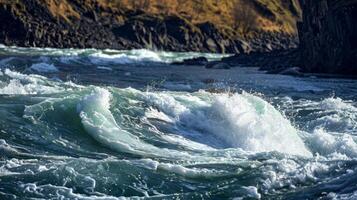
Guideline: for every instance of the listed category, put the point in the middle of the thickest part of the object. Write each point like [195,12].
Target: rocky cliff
[174,25]
[328,36]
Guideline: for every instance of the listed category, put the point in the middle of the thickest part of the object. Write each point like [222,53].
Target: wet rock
[291,71]
[217,65]
[209,81]
[294,71]
[193,61]
[266,61]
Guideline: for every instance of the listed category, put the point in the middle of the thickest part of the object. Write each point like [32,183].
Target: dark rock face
[175,34]
[199,61]
[328,36]
[274,61]
[12,30]
[30,23]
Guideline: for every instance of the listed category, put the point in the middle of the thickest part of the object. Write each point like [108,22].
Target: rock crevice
[328,36]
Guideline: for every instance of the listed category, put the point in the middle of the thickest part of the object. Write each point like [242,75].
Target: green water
[92,124]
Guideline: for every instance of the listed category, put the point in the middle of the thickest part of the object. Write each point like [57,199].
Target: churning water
[105,124]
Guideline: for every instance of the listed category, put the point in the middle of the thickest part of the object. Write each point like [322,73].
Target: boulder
[193,61]
[266,61]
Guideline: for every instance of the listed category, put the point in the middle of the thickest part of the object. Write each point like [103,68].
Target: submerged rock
[193,61]
[217,65]
[292,71]
[267,61]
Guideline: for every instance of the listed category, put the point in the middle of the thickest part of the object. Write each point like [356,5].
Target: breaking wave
[95,56]
[154,143]
[238,120]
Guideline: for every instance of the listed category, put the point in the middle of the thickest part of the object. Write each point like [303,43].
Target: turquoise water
[105,124]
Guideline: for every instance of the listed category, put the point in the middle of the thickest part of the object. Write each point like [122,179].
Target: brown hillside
[271,15]
[177,25]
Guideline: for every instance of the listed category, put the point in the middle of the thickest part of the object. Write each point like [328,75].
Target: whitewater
[108,124]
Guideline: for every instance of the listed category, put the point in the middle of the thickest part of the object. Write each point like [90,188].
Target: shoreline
[263,61]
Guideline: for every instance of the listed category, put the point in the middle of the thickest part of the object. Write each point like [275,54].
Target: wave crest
[241,120]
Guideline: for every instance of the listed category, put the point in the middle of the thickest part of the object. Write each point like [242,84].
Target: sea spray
[241,120]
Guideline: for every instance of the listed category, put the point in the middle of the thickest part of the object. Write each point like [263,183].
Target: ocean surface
[106,124]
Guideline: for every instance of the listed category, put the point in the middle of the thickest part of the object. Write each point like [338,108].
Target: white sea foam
[60,192]
[13,50]
[189,144]
[244,124]
[105,68]
[327,144]
[179,169]
[334,114]
[290,173]
[15,87]
[27,84]
[241,120]
[97,119]
[19,83]
[134,56]
[106,56]
[156,114]
[253,192]
[44,67]
[337,104]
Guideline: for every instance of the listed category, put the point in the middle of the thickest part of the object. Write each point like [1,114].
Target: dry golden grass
[61,9]
[218,12]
